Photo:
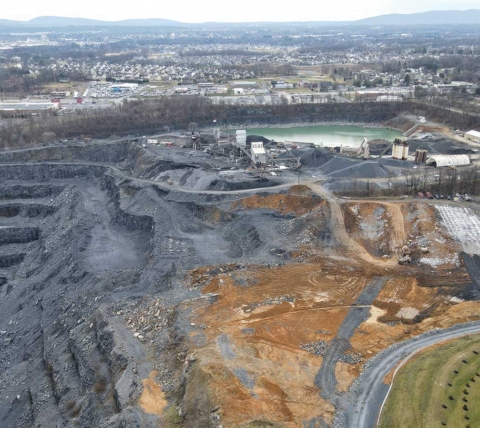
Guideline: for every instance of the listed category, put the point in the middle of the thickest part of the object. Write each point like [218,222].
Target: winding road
[161,185]
[368,397]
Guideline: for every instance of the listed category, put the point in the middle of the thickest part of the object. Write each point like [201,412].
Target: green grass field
[422,387]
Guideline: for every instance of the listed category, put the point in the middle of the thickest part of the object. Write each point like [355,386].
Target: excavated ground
[127,304]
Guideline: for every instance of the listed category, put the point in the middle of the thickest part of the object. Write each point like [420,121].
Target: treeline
[438,181]
[148,116]
[140,117]
[17,81]
[465,66]
[452,116]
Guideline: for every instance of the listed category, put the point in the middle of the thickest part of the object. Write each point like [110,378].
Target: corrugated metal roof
[473,133]
[449,160]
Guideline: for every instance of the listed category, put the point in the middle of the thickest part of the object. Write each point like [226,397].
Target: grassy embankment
[422,388]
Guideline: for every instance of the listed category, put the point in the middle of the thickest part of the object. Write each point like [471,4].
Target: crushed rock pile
[395,163]
[335,164]
[222,184]
[293,152]
[352,168]
[315,157]
[316,348]
[362,170]
[439,146]
[336,185]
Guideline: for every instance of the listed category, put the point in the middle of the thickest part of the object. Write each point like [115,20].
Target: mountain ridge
[436,17]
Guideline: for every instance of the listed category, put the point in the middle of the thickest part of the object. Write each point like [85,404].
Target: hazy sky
[227,10]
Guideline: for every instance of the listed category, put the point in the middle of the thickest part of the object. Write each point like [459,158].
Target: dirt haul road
[164,186]
[338,227]
[326,379]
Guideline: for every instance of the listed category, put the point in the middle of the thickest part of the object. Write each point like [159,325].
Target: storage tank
[400,149]
[405,151]
[420,156]
[241,136]
[397,151]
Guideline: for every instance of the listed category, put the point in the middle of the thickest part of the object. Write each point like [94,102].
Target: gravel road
[325,379]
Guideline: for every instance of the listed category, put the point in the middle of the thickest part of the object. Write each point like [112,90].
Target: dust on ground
[152,400]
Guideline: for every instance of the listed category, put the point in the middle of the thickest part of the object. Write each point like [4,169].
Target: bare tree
[424,178]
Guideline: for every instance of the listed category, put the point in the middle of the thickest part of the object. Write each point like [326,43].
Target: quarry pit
[165,288]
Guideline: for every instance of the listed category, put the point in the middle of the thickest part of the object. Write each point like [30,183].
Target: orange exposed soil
[265,323]
[372,338]
[152,400]
[405,294]
[299,201]
[251,354]
[345,376]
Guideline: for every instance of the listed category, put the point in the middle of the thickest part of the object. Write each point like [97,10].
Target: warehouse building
[123,87]
[473,136]
[448,160]
[27,109]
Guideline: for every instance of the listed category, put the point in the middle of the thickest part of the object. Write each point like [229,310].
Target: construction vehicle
[404,260]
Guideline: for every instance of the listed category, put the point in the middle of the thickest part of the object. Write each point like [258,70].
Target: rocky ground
[92,298]
[124,303]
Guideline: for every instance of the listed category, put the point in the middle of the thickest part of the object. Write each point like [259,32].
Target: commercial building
[123,87]
[473,136]
[60,94]
[27,109]
[245,84]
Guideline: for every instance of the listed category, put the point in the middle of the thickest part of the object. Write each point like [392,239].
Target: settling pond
[329,135]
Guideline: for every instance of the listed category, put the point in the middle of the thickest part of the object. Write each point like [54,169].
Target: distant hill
[57,21]
[438,17]
[8,22]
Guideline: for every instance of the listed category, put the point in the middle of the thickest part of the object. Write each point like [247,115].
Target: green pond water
[330,136]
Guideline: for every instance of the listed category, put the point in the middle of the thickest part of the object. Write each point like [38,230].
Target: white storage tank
[241,136]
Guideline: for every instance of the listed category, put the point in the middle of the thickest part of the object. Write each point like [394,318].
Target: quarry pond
[329,135]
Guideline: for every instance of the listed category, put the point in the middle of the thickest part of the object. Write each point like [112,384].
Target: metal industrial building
[259,155]
[448,160]
[473,136]
[29,109]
